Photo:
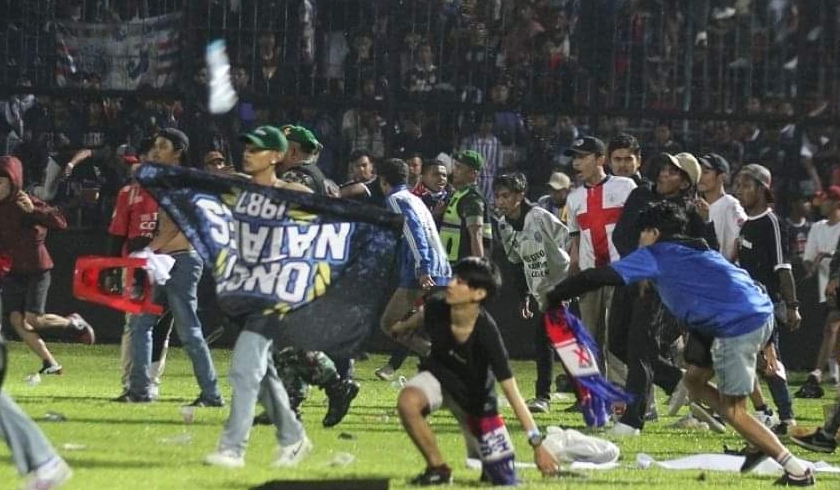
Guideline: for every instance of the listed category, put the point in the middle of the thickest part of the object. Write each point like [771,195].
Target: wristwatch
[535,438]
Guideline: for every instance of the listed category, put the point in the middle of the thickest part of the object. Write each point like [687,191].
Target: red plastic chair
[87,286]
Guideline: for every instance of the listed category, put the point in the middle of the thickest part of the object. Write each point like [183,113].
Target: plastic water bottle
[222,95]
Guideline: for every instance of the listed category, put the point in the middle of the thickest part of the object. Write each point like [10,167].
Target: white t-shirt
[596,225]
[728,216]
[822,238]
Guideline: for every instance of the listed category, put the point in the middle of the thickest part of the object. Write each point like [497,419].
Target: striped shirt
[421,251]
[763,250]
[491,149]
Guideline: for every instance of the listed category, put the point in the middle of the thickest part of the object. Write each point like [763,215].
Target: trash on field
[33,379]
[69,446]
[179,439]
[399,383]
[342,459]
[55,417]
[188,413]
[346,435]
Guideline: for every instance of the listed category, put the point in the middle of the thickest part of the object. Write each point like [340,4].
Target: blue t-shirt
[700,288]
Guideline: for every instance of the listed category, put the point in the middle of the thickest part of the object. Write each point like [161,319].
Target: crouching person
[467,356]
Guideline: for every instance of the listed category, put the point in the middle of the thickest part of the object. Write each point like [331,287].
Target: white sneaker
[226,458]
[678,399]
[52,474]
[623,430]
[293,454]
[704,415]
[385,373]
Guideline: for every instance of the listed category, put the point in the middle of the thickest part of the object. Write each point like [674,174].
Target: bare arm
[574,255]
[476,242]
[542,457]
[788,289]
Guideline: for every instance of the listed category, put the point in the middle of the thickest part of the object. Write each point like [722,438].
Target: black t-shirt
[466,371]
[763,250]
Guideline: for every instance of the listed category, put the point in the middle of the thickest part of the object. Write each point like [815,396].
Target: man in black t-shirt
[763,253]
[467,356]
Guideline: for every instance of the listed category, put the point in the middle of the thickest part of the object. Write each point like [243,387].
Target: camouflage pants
[298,369]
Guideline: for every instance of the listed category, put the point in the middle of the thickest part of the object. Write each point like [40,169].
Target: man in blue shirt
[714,299]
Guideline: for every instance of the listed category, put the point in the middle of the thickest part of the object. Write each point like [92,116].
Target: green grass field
[149,447]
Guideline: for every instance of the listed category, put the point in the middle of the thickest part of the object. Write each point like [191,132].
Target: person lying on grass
[728,315]
[467,356]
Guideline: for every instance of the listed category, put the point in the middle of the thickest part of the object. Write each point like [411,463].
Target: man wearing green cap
[300,162]
[252,376]
[465,229]
[296,368]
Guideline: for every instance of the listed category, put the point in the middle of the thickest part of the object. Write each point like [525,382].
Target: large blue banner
[319,265]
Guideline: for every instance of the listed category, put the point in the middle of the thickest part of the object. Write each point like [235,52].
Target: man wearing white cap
[559,186]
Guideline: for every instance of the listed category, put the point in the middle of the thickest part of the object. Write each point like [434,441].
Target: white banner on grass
[124,54]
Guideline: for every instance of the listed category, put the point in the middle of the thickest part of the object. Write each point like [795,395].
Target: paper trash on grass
[725,462]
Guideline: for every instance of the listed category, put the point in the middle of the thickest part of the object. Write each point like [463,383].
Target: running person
[24,223]
[727,306]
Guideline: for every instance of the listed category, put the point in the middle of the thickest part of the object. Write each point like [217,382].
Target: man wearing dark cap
[763,253]
[180,293]
[594,209]
[716,206]
[300,162]
[465,229]
[214,162]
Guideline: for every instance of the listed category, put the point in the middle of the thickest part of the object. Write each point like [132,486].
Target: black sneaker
[262,419]
[340,398]
[752,458]
[780,429]
[806,480]
[811,389]
[208,402]
[442,475]
[816,441]
[128,397]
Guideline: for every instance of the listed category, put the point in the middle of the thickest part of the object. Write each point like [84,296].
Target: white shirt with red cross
[593,213]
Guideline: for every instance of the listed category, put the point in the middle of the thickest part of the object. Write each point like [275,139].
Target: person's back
[701,288]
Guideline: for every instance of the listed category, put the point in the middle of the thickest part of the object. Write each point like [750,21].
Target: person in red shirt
[133,225]
[24,222]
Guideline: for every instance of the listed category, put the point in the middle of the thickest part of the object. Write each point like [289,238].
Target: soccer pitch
[148,447]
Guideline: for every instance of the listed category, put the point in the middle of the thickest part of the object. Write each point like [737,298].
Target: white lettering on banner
[252,241]
[288,281]
[274,259]
[258,206]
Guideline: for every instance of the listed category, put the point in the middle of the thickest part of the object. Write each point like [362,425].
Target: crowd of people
[625,250]
[521,68]
[613,226]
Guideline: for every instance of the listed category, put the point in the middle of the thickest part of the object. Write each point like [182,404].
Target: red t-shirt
[135,214]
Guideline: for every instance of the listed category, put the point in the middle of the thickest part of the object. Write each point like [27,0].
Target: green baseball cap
[470,158]
[266,138]
[302,136]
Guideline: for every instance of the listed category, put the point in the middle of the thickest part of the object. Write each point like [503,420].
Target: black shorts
[26,293]
[698,350]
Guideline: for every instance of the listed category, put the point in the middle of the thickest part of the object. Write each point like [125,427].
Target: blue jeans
[180,294]
[252,378]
